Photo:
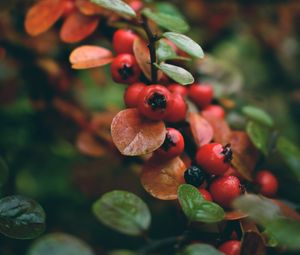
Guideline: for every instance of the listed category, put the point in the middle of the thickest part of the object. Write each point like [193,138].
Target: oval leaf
[77,27]
[142,55]
[43,15]
[166,52]
[235,215]
[162,178]
[200,249]
[117,6]
[186,44]
[176,73]
[123,211]
[196,208]
[169,22]
[3,172]
[258,115]
[59,244]
[259,136]
[88,8]
[21,218]
[90,56]
[87,144]
[134,135]
[201,129]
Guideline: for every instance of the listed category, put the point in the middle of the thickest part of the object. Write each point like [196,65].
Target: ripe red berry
[232,247]
[267,182]
[177,88]
[214,158]
[214,110]
[179,109]
[207,196]
[123,41]
[225,189]
[173,145]
[125,69]
[136,5]
[201,94]
[131,94]
[154,102]
[194,176]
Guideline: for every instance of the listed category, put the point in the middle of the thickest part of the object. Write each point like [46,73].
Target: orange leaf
[134,135]
[90,56]
[286,210]
[234,215]
[162,178]
[43,15]
[88,145]
[88,8]
[201,129]
[77,27]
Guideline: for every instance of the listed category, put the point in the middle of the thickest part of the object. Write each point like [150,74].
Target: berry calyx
[123,41]
[206,195]
[194,176]
[173,145]
[201,94]
[225,189]
[214,158]
[131,94]
[179,109]
[232,247]
[268,184]
[214,110]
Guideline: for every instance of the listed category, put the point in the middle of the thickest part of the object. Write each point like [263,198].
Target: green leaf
[165,52]
[21,218]
[59,244]
[200,249]
[186,44]
[168,8]
[3,172]
[196,208]
[117,6]
[290,154]
[258,115]
[122,252]
[123,211]
[259,136]
[176,73]
[169,22]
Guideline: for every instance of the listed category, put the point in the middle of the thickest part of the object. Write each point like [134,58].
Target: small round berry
[154,102]
[173,145]
[194,176]
[131,94]
[123,41]
[179,109]
[232,247]
[214,158]
[225,189]
[267,182]
[215,110]
[201,94]
[136,5]
[125,69]
[177,88]
[206,195]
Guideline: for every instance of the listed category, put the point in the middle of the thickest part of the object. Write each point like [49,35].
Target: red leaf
[234,215]
[286,210]
[201,129]
[77,27]
[88,145]
[43,15]
[90,56]
[88,8]
[162,178]
[135,135]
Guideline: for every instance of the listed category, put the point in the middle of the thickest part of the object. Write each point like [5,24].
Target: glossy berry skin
[176,88]
[232,247]
[123,41]
[214,110]
[207,196]
[136,5]
[214,158]
[131,94]
[194,176]
[201,94]
[125,69]
[267,182]
[179,109]
[225,189]
[154,102]
[173,145]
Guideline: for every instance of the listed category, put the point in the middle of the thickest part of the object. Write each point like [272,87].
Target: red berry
[123,41]
[207,196]
[179,109]
[125,69]
[173,145]
[214,158]
[232,247]
[177,88]
[131,94]
[136,5]
[267,182]
[69,7]
[201,94]
[225,189]
[214,110]
[154,102]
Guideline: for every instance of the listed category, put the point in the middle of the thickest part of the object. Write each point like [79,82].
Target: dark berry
[194,176]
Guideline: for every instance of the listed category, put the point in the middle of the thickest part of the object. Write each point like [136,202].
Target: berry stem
[151,45]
